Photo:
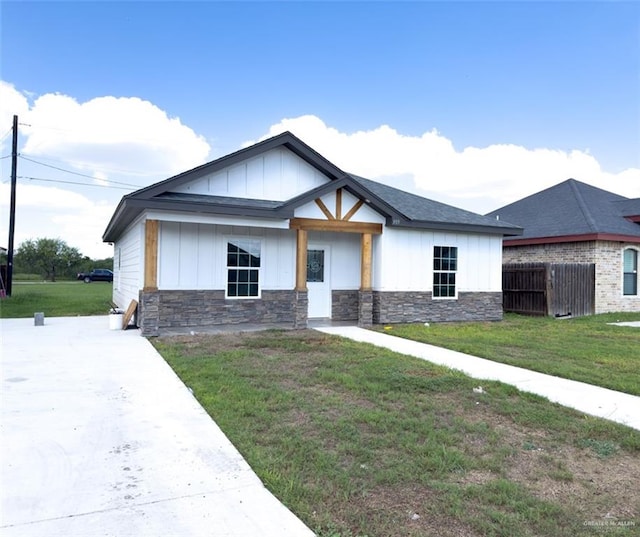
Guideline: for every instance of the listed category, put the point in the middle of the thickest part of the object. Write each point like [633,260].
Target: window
[243,268]
[630,272]
[315,265]
[445,265]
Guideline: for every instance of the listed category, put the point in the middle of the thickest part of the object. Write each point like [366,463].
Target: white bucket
[115,321]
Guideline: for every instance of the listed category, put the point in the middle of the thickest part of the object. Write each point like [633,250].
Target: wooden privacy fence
[557,289]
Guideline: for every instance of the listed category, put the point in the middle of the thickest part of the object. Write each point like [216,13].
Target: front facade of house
[276,234]
[576,223]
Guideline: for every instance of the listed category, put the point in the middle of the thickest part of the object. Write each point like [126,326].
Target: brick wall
[412,307]
[607,256]
[609,267]
[564,252]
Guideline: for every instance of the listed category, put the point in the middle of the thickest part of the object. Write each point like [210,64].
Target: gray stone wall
[163,310]
[344,305]
[419,307]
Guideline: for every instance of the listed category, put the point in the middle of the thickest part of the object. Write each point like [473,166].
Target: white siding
[277,175]
[128,264]
[403,260]
[193,256]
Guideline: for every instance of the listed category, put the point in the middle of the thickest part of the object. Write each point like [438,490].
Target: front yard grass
[360,441]
[586,349]
[56,299]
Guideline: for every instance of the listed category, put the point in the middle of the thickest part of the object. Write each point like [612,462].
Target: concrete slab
[593,400]
[99,437]
[635,324]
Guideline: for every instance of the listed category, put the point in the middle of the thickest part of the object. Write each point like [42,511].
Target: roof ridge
[582,204]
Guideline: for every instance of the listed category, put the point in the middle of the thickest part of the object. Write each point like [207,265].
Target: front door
[319,281]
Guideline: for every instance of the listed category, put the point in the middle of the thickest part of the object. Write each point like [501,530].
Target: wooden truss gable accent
[338,212]
[338,223]
[335,220]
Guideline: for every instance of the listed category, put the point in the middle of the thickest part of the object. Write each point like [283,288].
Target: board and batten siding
[403,260]
[276,175]
[128,263]
[193,256]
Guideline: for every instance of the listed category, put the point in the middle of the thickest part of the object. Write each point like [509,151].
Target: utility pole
[12,208]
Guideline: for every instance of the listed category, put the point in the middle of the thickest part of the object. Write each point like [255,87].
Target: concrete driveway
[99,437]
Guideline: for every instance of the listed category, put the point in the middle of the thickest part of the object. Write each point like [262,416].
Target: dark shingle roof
[572,208]
[399,208]
[418,209]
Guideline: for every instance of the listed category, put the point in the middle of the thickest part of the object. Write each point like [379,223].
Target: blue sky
[547,79]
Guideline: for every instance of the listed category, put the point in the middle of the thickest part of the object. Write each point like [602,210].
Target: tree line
[53,259]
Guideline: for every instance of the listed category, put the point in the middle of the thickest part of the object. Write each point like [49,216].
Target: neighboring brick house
[573,222]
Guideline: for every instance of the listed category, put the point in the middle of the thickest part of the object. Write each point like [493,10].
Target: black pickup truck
[96,275]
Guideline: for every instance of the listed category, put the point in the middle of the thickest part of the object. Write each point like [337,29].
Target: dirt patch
[412,511]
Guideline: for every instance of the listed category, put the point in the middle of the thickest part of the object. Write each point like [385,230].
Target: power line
[78,173]
[70,182]
[105,169]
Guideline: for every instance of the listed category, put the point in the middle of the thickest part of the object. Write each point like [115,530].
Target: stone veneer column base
[365,308]
[300,309]
[149,313]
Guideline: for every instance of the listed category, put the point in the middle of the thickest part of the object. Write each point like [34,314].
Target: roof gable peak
[285,139]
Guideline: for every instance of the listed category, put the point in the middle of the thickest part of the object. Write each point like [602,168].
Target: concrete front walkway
[99,437]
[615,406]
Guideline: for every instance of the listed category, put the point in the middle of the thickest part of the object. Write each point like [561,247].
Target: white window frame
[442,271]
[637,252]
[227,267]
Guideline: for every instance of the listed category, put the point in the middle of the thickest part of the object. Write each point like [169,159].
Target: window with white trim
[243,268]
[445,266]
[630,272]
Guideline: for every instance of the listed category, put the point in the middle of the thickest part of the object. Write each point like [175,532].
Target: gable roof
[398,207]
[572,211]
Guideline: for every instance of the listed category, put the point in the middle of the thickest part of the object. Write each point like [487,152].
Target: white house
[275,233]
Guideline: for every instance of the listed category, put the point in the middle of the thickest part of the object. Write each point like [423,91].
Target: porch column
[301,300]
[365,294]
[365,262]
[301,260]
[151,255]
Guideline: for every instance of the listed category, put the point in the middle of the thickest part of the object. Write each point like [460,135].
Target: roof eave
[128,210]
[530,241]
[460,227]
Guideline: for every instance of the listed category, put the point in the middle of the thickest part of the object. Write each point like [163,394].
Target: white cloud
[12,103]
[478,179]
[44,197]
[126,139]
[105,134]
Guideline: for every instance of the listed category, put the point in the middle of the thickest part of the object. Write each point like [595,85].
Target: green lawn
[360,441]
[585,348]
[58,299]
